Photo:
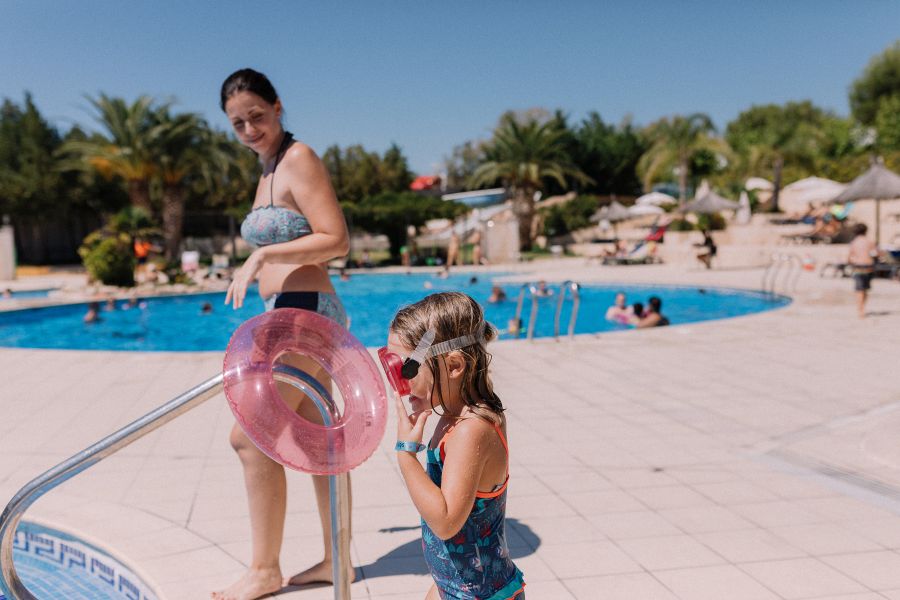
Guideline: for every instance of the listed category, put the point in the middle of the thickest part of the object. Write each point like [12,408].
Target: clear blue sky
[430,75]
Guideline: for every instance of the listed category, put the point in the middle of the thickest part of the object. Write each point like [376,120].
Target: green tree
[673,143]
[524,154]
[29,180]
[126,148]
[354,172]
[569,216]
[769,136]
[879,80]
[609,154]
[181,145]
[462,163]
[391,213]
[394,172]
[887,124]
[227,179]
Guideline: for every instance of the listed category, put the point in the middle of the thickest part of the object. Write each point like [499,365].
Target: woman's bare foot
[255,583]
[318,573]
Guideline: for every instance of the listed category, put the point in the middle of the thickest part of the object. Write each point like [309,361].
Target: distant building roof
[478,197]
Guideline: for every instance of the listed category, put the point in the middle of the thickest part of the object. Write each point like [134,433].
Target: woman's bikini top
[274,224]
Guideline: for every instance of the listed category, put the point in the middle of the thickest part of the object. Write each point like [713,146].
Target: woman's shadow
[407,558]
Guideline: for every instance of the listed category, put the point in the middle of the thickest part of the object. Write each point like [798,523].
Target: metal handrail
[517,318]
[532,318]
[10,584]
[339,485]
[575,290]
[770,275]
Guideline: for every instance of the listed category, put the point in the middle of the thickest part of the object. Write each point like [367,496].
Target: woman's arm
[310,186]
[446,508]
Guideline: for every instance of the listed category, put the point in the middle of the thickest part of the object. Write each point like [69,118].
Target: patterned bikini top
[274,224]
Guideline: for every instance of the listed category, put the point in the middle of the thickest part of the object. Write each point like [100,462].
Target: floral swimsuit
[474,564]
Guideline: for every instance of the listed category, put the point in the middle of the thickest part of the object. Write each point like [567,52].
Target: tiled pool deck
[755,458]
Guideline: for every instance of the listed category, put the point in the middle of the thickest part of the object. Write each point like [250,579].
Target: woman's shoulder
[299,153]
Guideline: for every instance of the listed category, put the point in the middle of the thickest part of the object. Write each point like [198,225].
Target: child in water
[436,355]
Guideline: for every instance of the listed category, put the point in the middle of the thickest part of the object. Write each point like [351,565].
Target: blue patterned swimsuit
[474,564]
[275,225]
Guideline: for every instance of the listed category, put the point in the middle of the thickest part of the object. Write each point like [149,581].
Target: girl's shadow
[407,558]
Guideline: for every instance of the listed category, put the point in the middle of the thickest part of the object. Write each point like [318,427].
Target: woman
[297,224]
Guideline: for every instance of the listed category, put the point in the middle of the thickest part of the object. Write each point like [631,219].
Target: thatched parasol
[878,183]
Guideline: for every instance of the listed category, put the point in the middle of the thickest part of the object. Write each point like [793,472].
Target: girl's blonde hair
[451,315]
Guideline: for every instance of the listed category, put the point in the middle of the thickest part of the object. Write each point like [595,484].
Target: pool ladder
[570,287]
[791,264]
[339,485]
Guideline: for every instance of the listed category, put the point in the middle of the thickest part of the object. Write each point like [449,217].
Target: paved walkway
[754,458]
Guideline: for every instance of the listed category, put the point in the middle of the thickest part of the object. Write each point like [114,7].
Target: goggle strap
[421,352]
[457,343]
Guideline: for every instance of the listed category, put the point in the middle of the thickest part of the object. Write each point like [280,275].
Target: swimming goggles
[399,371]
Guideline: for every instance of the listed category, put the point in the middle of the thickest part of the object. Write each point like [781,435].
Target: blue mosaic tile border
[54,564]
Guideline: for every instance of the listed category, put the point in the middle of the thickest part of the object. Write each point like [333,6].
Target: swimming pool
[54,564]
[19,295]
[176,324]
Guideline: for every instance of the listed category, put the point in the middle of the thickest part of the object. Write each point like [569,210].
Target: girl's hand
[410,428]
[242,279]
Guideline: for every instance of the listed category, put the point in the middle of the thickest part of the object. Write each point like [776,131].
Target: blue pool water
[18,295]
[53,564]
[176,323]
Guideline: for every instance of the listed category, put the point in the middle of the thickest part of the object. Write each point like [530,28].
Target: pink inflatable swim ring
[282,434]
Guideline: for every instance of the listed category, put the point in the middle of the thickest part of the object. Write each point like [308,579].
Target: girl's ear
[278,108]
[456,364]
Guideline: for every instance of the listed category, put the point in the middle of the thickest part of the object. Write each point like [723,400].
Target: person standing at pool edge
[461,494]
[297,226]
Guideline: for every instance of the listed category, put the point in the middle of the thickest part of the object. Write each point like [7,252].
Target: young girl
[436,355]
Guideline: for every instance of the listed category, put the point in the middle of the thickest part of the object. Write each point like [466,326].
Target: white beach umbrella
[758,183]
[655,199]
[612,213]
[710,203]
[797,196]
[639,210]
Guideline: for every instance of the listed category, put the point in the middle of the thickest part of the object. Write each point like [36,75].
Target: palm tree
[178,143]
[125,148]
[800,151]
[228,178]
[673,143]
[523,155]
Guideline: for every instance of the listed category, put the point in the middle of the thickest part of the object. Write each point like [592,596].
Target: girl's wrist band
[409,447]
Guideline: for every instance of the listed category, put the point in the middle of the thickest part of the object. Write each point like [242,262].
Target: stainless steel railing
[791,264]
[10,583]
[575,290]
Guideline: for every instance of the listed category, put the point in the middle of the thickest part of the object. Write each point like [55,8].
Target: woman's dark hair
[637,308]
[655,303]
[247,80]
[860,229]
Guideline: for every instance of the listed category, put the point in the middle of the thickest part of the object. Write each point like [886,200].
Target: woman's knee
[241,443]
